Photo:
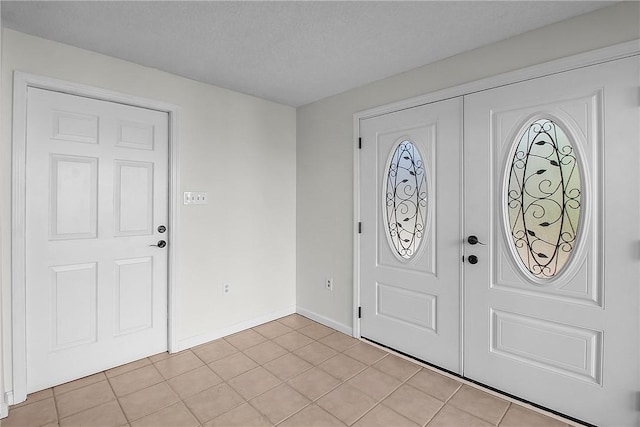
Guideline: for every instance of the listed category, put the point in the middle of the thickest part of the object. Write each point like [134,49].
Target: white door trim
[610,53]
[21,82]
[4,405]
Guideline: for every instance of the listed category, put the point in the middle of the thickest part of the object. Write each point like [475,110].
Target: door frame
[21,82]
[598,56]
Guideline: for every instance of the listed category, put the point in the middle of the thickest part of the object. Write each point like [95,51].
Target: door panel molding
[21,82]
[581,118]
[64,290]
[411,300]
[83,223]
[424,258]
[577,352]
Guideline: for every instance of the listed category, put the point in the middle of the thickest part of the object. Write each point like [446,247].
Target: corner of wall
[223,332]
[325,320]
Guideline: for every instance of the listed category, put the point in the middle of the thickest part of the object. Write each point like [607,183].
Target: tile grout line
[164,380]
[463,410]
[89,407]
[287,417]
[475,415]
[223,381]
[403,416]
[285,382]
[343,382]
[444,403]
[435,415]
[380,402]
[312,366]
[247,401]
[117,398]
[209,388]
[202,391]
[375,405]
[505,413]
[226,381]
[55,404]
[294,414]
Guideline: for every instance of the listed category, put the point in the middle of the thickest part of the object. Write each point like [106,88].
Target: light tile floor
[289,372]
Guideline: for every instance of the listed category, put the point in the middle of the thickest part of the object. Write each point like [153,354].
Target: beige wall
[325,142]
[239,148]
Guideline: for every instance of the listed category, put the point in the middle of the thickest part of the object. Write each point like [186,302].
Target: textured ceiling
[289,52]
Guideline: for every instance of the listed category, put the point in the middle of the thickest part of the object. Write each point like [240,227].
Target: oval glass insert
[544,198]
[405,200]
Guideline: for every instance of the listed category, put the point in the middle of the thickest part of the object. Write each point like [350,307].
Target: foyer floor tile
[289,372]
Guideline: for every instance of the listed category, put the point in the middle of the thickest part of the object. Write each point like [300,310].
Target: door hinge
[359,312]
[359,228]
[359,143]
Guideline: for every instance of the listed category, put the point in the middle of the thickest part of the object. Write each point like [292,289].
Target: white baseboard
[325,321]
[223,332]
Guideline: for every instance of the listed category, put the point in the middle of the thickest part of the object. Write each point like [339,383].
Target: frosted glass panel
[405,200]
[544,198]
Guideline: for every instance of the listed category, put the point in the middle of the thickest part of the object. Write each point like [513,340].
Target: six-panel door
[97,190]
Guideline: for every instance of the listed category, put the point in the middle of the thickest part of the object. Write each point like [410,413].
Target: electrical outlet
[226,288]
[328,284]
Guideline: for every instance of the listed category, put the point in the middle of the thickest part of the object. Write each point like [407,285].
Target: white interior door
[410,204]
[552,188]
[97,190]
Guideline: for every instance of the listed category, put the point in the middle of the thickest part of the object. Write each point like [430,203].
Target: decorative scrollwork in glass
[544,198]
[406,200]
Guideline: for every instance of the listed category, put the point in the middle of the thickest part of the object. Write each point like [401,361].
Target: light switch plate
[196,198]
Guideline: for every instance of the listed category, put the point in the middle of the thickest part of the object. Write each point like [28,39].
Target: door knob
[472,259]
[473,240]
[160,244]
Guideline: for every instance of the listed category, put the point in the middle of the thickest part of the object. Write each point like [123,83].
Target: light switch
[196,198]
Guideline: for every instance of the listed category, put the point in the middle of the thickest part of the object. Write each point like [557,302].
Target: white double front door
[550,189]
[97,188]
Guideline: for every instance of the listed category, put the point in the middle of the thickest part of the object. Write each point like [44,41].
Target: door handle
[161,244]
[473,240]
